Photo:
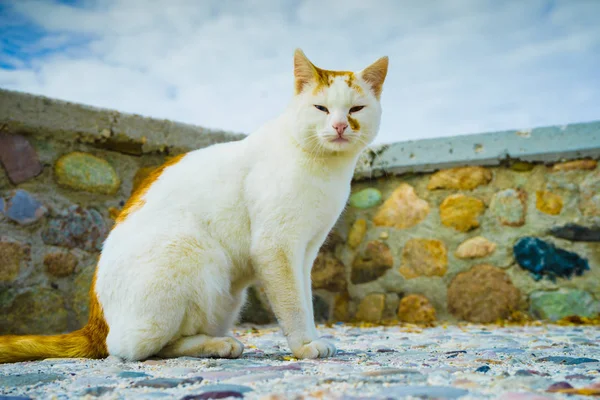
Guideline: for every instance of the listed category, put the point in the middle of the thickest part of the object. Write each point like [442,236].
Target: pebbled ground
[393,362]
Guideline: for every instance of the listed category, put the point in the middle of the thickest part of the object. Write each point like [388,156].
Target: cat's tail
[88,342]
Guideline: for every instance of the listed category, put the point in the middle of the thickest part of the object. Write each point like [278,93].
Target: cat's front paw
[319,348]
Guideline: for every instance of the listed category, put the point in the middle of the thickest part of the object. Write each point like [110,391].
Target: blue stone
[568,360]
[1,205]
[427,392]
[544,259]
[23,208]
[10,381]
[132,374]
[220,391]
[76,227]
[483,368]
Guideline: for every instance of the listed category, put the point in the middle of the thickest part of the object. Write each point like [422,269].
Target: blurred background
[457,67]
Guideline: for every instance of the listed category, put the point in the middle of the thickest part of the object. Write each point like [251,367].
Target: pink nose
[340,127]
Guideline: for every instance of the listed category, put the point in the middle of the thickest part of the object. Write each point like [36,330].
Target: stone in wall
[83,171]
[341,307]
[589,195]
[357,233]
[21,207]
[372,263]
[460,178]
[482,294]
[509,206]
[562,303]
[19,158]
[475,247]
[328,273]
[576,232]
[416,309]
[424,257]
[365,198]
[35,311]
[12,256]
[371,308]
[461,212]
[321,309]
[60,263]
[81,294]
[542,258]
[575,165]
[402,210]
[76,227]
[548,202]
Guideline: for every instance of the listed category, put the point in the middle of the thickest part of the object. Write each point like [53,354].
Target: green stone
[554,305]
[82,171]
[366,198]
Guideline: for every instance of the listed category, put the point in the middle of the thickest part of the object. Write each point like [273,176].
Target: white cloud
[456,67]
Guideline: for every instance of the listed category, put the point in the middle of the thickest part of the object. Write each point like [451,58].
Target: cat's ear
[375,74]
[304,71]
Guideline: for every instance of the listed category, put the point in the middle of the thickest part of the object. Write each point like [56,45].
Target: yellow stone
[403,209]
[548,202]
[461,178]
[357,233]
[416,309]
[384,235]
[371,308]
[475,247]
[424,257]
[575,165]
[461,212]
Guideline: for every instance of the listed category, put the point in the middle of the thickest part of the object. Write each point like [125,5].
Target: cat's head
[336,111]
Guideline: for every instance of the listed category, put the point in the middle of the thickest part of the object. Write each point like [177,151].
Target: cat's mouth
[339,139]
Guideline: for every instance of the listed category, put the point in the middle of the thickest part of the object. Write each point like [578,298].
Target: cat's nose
[340,127]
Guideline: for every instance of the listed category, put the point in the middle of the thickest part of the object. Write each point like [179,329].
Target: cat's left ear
[375,74]
[304,71]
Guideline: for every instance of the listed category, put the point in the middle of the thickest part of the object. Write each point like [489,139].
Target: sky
[456,66]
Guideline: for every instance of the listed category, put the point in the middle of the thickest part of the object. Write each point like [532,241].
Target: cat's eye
[322,108]
[356,109]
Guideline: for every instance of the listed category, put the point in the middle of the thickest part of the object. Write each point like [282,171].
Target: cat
[172,275]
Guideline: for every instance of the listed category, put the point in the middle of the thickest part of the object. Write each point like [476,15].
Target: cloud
[456,67]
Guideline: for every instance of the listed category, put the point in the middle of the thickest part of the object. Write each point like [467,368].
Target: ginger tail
[88,342]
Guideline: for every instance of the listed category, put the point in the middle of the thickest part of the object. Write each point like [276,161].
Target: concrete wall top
[64,121]
[130,133]
[540,145]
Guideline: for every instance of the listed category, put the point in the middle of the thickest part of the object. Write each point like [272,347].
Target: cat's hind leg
[203,346]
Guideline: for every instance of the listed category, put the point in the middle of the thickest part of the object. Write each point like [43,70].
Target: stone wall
[488,239]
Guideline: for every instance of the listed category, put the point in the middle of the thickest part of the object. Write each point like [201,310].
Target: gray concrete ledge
[130,133]
[540,145]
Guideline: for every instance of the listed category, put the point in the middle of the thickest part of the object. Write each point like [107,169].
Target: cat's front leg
[281,272]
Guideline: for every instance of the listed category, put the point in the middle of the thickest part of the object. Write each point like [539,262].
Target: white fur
[172,277]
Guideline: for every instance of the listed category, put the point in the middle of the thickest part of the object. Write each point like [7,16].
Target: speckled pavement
[383,362]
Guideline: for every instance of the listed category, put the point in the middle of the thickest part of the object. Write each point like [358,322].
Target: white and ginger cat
[174,270]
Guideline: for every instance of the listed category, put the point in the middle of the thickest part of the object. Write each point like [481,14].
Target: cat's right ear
[304,71]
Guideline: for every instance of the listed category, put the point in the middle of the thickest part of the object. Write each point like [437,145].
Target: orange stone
[357,233]
[403,209]
[475,247]
[575,165]
[548,202]
[424,257]
[483,294]
[461,212]
[461,178]
[416,309]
